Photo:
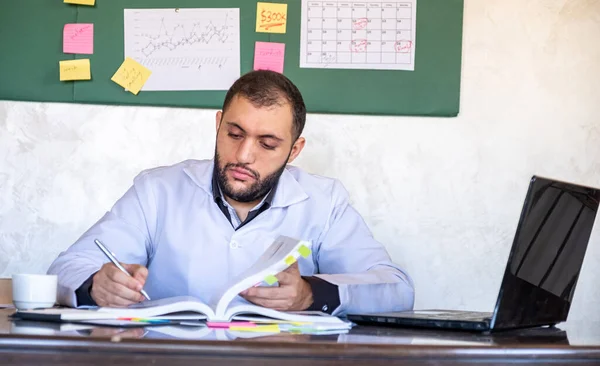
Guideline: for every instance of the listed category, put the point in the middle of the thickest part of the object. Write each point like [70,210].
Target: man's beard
[253,193]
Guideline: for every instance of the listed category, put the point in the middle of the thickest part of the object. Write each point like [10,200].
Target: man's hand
[111,287]
[293,293]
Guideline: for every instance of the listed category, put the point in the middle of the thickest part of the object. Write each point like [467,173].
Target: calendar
[338,34]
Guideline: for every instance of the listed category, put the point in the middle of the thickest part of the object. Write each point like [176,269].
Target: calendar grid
[359,34]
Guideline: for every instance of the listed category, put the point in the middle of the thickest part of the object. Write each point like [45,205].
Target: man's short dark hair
[265,88]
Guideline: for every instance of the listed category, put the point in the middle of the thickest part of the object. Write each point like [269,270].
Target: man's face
[253,147]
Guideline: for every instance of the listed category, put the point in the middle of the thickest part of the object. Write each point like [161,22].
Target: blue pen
[113,259]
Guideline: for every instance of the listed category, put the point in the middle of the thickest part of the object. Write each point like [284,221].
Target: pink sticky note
[269,56]
[78,38]
[226,325]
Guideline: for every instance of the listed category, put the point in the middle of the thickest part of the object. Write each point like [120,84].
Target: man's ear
[296,149]
[218,118]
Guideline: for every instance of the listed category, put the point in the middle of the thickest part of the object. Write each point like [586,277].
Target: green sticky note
[304,251]
[290,260]
[270,279]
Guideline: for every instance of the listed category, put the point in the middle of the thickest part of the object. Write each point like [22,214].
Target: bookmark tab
[81,2]
[78,38]
[271,18]
[270,279]
[75,70]
[272,328]
[304,251]
[290,260]
[131,75]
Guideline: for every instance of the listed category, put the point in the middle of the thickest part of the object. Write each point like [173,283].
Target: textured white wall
[444,195]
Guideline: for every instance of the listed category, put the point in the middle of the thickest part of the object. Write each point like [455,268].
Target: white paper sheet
[342,34]
[186,49]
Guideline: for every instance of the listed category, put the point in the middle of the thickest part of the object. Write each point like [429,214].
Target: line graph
[188,49]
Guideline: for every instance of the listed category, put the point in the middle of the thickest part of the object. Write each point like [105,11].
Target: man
[189,228]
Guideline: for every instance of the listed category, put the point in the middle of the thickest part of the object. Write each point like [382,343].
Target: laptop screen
[547,254]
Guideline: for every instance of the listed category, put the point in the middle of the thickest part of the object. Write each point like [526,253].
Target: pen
[113,259]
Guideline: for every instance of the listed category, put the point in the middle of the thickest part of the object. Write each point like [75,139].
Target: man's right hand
[111,287]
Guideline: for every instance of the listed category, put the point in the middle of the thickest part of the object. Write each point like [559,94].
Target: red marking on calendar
[403,46]
[358,46]
[360,23]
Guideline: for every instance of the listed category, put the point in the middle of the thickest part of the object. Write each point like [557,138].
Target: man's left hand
[293,293]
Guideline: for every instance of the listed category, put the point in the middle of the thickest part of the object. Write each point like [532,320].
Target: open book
[224,306]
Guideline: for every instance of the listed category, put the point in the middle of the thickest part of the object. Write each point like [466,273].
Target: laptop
[542,270]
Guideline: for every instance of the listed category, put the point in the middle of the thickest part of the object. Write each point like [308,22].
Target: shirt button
[234,245]
[325,308]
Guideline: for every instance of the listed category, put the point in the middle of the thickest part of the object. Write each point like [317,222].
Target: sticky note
[269,56]
[78,38]
[290,260]
[271,17]
[131,75]
[75,70]
[270,279]
[81,2]
[272,328]
[304,251]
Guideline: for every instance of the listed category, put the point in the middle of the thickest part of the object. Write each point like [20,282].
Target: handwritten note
[75,70]
[78,38]
[131,75]
[271,17]
[81,2]
[269,56]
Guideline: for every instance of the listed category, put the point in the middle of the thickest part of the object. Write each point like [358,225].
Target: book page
[271,262]
[241,309]
[158,307]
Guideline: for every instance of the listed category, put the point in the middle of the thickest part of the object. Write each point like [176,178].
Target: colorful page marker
[78,38]
[272,328]
[290,260]
[131,75]
[81,2]
[75,70]
[271,17]
[227,325]
[269,56]
[304,251]
[270,279]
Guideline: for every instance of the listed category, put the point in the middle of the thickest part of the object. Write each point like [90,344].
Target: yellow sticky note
[290,260]
[272,328]
[131,75]
[270,279]
[304,251]
[81,2]
[271,18]
[75,70]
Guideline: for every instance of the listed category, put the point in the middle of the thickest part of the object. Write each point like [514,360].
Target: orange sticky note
[131,75]
[75,70]
[269,56]
[78,38]
[271,17]
[81,2]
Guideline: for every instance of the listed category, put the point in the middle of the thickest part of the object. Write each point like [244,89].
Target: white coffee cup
[31,291]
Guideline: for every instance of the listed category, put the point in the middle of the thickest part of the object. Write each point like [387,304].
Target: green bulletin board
[31,36]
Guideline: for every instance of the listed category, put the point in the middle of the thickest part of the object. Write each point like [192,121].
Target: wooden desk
[45,343]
